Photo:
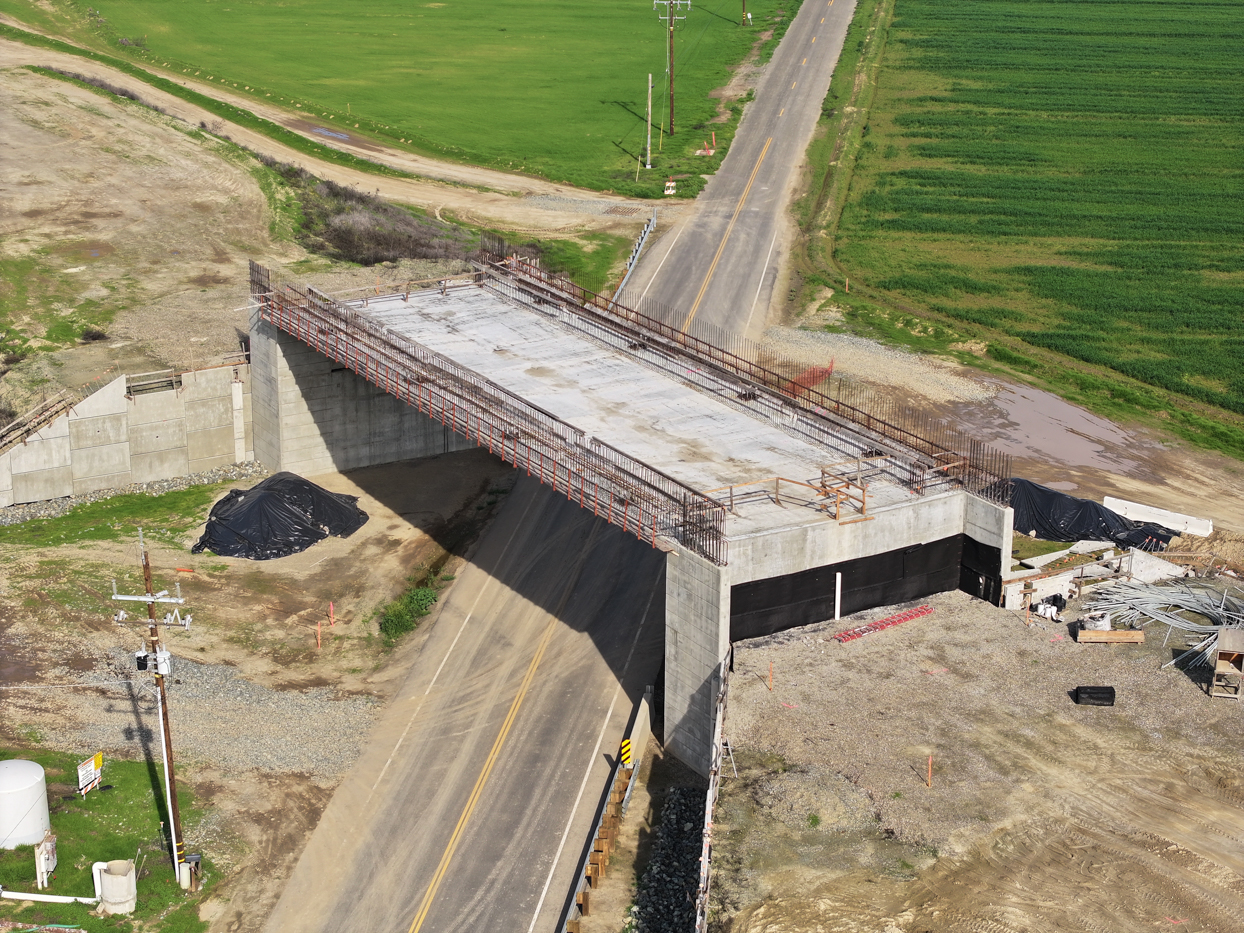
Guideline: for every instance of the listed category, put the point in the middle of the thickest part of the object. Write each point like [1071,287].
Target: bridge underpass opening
[754,475]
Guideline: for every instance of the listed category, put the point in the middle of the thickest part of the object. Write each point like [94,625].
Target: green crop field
[553,88]
[1068,175]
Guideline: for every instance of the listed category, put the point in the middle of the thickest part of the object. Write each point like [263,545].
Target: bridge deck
[690,432]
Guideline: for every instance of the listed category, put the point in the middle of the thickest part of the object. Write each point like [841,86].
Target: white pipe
[168,788]
[97,876]
[49,898]
[837,596]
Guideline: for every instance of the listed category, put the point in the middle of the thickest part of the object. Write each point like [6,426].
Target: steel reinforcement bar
[981,469]
[624,491]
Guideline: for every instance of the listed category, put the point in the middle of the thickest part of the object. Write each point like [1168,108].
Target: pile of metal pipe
[1135,605]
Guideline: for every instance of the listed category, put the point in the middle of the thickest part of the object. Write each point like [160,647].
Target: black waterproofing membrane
[282,515]
[1056,516]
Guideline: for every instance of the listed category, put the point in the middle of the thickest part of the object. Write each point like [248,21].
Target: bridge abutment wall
[312,415]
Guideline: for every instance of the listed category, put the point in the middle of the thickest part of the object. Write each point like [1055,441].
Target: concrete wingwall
[312,415]
[697,637]
[113,438]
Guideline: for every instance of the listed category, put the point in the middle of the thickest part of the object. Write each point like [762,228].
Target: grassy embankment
[124,822]
[1028,180]
[552,90]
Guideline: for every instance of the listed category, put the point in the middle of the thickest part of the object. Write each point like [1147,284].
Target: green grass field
[106,825]
[1065,174]
[555,89]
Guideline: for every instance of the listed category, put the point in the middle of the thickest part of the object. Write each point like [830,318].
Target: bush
[403,614]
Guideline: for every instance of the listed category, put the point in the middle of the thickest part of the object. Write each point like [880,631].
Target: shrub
[403,614]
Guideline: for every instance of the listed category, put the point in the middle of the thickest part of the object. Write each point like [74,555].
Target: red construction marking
[809,379]
[888,622]
[184,570]
[789,706]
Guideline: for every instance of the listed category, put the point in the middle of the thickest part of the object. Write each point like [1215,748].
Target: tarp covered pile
[1056,516]
[282,515]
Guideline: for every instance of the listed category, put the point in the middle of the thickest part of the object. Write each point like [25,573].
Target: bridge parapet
[624,491]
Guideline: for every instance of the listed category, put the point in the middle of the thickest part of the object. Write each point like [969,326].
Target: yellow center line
[804,62]
[822,19]
[814,38]
[426,904]
[720,249]
[782,111]
[792,84]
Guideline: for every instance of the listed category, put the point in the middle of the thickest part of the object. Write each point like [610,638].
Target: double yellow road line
[722,248]
[426,904]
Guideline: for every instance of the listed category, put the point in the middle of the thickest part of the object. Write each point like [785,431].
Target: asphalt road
[473,802]
[475,797]
[720,264]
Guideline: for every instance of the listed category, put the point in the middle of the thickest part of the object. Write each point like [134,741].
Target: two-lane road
[473,801]
[720,264]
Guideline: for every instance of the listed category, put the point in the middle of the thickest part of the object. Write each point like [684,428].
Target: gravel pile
[53,508]
[666,901]
[218,718]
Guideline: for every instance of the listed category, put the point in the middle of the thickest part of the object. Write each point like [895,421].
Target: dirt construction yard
[1042,815]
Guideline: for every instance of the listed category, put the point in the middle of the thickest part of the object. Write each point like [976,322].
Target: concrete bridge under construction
[780,495]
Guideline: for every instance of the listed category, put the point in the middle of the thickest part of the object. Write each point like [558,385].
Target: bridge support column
[697,638]
[312,415]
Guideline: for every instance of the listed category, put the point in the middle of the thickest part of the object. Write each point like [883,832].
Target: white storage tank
[24,816]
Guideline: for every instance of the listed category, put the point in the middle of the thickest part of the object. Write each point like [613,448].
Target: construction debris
[1136,605]
[887,622]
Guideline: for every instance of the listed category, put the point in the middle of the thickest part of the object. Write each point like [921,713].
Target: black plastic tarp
[1056,516]
[282,515]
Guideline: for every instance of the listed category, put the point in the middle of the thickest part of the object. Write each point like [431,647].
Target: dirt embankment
[1042,815]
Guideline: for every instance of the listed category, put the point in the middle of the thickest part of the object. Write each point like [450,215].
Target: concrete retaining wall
[697,637]
[112,439]
[312,415]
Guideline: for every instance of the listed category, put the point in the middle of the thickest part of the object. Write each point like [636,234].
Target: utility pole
[671,16]
[743,21]
[649,163]
[157,660]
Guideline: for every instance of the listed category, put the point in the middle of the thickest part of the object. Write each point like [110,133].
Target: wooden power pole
[156,662]
[672,10]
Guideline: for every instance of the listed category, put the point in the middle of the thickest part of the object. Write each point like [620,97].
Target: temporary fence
[624,491]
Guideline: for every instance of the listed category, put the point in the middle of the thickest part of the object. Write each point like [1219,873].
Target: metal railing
[624,491]
[935,452]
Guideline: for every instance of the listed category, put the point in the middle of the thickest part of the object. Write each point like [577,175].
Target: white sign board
[89,773]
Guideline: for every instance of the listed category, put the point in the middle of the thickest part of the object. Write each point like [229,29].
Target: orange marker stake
[930,771]
[770,676]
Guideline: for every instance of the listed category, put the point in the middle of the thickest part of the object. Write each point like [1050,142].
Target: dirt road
[503,202]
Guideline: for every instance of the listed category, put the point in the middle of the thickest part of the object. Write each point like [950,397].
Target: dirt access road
[1043,815]
[490,201]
